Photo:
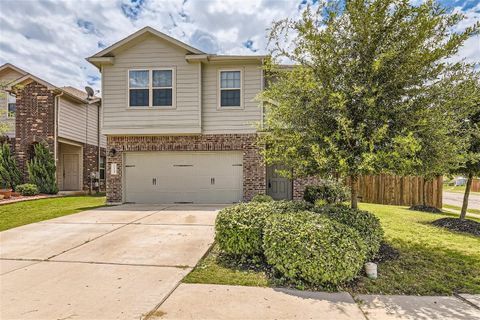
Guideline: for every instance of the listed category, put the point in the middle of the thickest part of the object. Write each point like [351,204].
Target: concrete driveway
[108,263]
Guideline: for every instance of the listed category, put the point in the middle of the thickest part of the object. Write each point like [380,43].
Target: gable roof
[106,56]
[29,78]
[107,51]
[11,66]
[71,92]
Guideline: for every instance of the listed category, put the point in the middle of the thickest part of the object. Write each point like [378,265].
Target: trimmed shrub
[239,229]
[367,224]
[27,189]
[312,248]
[262,198]
[9,173]
[328,190]
[41,170]
[284,206]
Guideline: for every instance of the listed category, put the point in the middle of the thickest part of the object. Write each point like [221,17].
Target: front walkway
[106,263]
[200,301]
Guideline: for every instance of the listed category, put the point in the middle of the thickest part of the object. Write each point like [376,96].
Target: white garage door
[184,177]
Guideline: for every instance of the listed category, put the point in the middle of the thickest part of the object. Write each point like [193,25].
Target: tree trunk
[463,213]
[353,191]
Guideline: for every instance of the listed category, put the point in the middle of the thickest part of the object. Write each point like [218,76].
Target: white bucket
[371,270]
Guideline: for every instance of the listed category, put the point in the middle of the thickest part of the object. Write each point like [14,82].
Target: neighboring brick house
[181,124]
[64,118]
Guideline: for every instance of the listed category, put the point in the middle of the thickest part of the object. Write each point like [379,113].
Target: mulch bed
[27,198]
[423,208]
[386,253]
[459,225]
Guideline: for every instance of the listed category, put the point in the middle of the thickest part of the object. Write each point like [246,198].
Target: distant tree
[355,101]
[9,175]
[41,170]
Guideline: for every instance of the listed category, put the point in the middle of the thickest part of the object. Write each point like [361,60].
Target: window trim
[10,115]
[150,89]
[219,90]
[104,169]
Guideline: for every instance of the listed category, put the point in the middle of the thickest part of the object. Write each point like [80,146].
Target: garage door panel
[198,177]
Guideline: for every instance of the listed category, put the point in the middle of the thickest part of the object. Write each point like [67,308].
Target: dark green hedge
[239,229]
[367,224]
[312,248]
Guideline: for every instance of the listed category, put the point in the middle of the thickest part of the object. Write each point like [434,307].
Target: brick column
[34,122]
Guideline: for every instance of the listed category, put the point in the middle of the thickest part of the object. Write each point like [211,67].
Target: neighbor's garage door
[184,177]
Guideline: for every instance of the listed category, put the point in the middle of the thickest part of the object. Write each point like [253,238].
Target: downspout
[262,86]
[55,131]
[98,145]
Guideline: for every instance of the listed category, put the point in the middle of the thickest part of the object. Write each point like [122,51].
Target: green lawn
[433,261]
[449,206]
[20,213]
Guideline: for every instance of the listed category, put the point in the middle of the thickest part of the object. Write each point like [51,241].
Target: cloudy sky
[52,38]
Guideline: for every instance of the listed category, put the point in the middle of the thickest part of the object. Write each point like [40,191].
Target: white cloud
[52,38]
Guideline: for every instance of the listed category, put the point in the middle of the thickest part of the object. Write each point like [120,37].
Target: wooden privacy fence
[475,185]
[397,190]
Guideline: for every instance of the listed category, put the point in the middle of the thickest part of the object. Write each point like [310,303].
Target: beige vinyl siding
[150,53]
[92,124]
[7,76]
[103,138]
[224,120]
[72,120]
[78,122]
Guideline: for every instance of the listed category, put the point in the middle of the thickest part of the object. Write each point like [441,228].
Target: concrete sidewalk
[201,301]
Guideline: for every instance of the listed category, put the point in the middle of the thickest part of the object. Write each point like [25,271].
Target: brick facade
[300,184]
[90,164]
[254,170]
[34,122]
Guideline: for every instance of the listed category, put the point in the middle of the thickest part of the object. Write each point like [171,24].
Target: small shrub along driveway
[426,260]
[21,213]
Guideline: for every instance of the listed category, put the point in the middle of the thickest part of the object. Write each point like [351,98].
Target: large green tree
[364,83]
[464,98]
[442,139]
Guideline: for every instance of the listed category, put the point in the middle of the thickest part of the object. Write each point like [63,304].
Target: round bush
[329,191]
[367,224]
[312,248]
[27,189]
[262,198]
[239,229]
[284,206]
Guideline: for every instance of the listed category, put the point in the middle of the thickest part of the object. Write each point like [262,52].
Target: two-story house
[181,124]
[64,118]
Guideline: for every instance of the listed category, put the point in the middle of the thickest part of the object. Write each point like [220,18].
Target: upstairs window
[12,106]
[162,88]
[151,88]
[138,82]
[230,89]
